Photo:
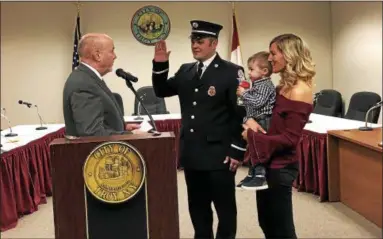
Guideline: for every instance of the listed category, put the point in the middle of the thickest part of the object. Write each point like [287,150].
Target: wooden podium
[355,171]
[151,213]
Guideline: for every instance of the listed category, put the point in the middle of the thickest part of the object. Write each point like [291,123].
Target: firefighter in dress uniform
[211,146]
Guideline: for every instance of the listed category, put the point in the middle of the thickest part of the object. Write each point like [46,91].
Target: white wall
[37,38]
[260,22]
[357,47]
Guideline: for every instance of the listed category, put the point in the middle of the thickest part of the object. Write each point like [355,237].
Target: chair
[360,103]
[153,104]
[329,102]
[119,101]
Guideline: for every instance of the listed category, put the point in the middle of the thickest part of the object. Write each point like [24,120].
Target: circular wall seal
[150,24]
[114,172]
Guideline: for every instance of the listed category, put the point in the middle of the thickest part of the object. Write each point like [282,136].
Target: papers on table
[145,126]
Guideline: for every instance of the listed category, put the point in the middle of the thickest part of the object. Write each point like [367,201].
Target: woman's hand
[252,124]
[244,132]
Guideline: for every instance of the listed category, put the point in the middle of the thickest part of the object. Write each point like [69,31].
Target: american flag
[77,36]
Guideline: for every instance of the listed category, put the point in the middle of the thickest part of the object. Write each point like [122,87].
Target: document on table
[145,126]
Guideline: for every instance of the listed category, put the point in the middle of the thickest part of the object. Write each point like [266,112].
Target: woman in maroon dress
[291,58]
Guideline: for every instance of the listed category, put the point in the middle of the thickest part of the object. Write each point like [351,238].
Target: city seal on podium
[150,24]
[114,172]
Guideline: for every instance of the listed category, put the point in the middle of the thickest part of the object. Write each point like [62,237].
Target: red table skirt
[25,179]
[312,153]
[173,125]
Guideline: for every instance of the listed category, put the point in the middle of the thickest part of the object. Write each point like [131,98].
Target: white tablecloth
[25,134]
[320,123]
[155,117]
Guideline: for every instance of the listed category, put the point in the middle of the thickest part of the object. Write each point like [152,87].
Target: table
[355,171]
[25,178]
[311,150]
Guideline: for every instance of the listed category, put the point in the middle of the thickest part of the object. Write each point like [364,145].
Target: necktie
[200,66]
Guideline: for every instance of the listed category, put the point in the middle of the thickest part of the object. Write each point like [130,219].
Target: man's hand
[252,124]
[160,52]
[131,127]
[234,164]
[240,90]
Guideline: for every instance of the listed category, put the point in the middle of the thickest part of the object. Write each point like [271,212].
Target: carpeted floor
[312,219]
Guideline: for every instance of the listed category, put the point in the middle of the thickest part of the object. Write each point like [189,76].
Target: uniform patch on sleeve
[241,75]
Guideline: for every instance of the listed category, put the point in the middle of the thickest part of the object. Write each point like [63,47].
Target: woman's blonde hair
[299,64]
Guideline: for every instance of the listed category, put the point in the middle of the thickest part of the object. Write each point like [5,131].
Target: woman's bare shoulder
[302,92]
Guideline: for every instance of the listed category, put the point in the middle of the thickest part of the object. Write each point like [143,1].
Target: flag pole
[232,27]
[78,6]
[236,23]
[77,36]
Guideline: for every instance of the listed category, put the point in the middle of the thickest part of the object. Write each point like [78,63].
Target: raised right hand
[160,52]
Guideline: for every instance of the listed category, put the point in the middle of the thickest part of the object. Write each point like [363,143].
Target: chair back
[360,103]
[329,102]
[119,101]
[155,105]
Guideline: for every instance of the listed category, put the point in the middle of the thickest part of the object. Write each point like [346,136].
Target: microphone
[41,127]
[126,75]
[25,103]
[365,127]
[10,134]
[130,86]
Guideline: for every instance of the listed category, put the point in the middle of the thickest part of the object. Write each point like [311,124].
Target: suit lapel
[99,82]
[103,86]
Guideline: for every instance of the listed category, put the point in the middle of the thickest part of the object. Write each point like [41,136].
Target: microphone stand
[41,127]
[155,131]
[365,127]
[139,109]
[10,134]
[316,96]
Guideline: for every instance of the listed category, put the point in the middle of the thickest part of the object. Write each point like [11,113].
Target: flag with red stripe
[236,56]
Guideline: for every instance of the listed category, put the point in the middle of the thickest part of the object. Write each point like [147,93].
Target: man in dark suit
[90,108]
[211,146]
